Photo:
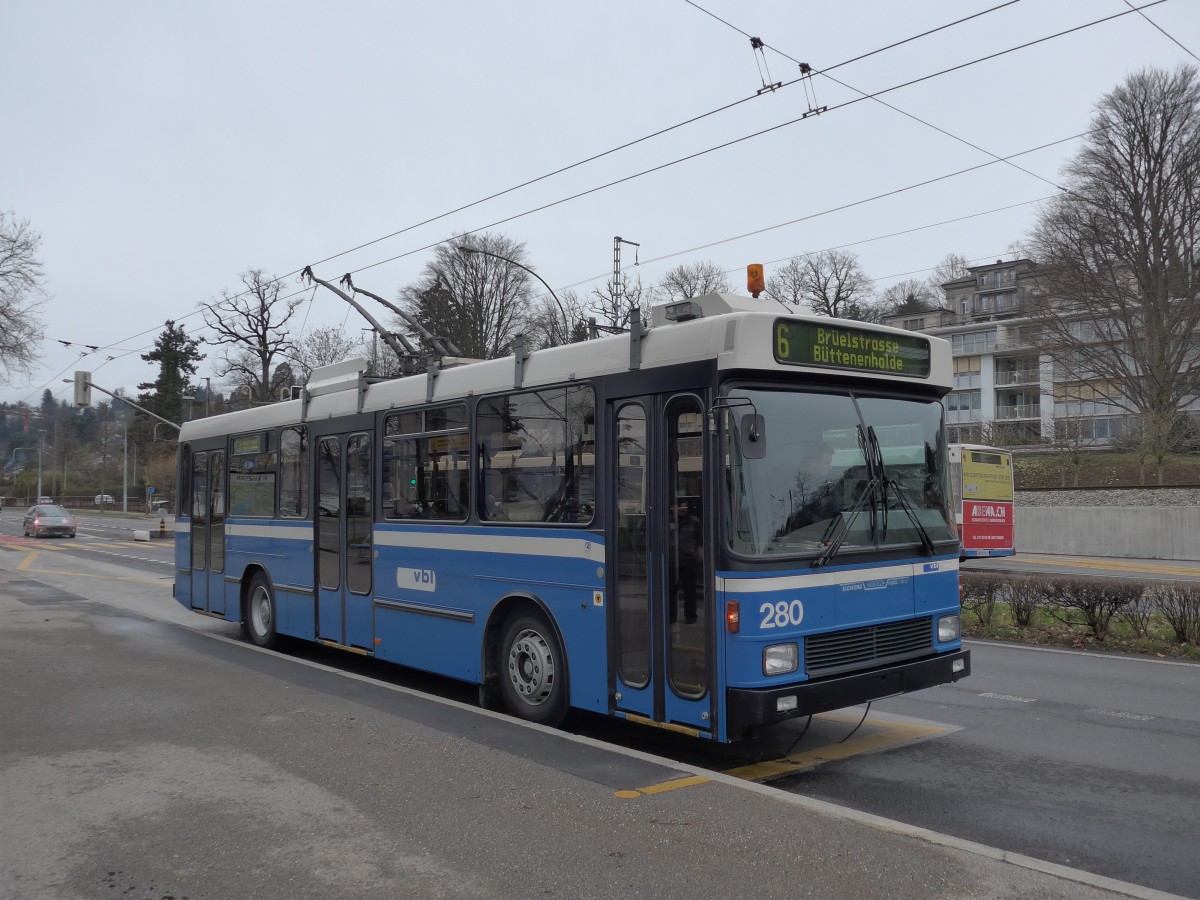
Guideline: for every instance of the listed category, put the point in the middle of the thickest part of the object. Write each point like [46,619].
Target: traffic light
[83,388]
[755,280]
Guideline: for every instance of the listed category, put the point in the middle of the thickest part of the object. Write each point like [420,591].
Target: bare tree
[324,347]
[1118,253]
[555,322]
[833,283]
[612,304]
[481,301]
[908,296]
[952,267]
[22,293]
[252,325]
[691,280]
[788,285]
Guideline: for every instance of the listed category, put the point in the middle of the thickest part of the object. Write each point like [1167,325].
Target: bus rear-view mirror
[754,436]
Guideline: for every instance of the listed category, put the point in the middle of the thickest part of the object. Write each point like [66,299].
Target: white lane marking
[999,645]
[992,696]
[1116,713]
[161,562]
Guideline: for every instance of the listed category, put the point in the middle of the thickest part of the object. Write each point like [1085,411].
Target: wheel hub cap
[531,667]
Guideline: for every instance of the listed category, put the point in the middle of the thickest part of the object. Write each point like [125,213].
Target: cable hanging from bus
[981,479]
[734,517]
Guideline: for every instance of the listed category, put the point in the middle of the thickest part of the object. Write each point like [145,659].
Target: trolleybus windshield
[860,472]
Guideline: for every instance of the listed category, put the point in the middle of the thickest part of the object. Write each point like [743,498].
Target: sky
[162,149]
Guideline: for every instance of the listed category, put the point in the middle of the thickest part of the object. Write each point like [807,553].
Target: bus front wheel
[533,671]
[261,613]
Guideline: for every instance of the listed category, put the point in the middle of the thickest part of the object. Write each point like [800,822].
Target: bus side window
[425,468]
[537,459]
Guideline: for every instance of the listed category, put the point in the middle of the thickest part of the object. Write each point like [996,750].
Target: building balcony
[1021,376]
[963,416]
[1022,411]
[1010,344]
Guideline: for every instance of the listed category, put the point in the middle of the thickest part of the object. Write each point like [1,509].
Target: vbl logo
[417,579]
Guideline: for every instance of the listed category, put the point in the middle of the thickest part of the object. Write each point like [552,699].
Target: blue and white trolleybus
[736,516]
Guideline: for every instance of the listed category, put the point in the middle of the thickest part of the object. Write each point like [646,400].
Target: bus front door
[661,667]
[207,532]
[344,541]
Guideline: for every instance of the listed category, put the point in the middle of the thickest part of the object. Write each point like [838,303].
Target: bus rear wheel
[260,615]
[533,671]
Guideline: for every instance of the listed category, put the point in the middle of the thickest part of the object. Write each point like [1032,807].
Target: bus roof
[739,333]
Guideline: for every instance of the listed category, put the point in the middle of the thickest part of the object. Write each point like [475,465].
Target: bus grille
[843,651]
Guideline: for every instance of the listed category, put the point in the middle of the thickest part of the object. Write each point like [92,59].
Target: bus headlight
[779,659]
[948,629]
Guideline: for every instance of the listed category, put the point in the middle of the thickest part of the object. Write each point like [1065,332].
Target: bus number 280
[781,614]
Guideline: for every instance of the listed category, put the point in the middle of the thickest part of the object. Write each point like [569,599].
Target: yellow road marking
[673,785]
[882,735]
[1118,565]
[18,545]
[887,734]
[23,565]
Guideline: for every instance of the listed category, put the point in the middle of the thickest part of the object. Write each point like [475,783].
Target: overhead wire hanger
[810,91]
[760,60]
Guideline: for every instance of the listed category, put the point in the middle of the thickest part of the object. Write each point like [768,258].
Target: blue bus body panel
[284,550]
[437,587]
[183,563]
[778,608]
[975,554]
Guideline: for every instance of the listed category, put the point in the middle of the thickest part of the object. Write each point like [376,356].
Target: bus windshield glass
[843,473]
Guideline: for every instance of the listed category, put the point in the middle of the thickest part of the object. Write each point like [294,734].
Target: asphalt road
[145,754]
[1082,760]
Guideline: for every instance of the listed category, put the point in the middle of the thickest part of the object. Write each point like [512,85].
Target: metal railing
[1022,411]
[1020,376]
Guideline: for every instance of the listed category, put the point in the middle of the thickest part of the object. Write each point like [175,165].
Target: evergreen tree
[177,357]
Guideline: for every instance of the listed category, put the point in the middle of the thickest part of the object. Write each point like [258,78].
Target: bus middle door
[344,541]
[207,532]
[661,666]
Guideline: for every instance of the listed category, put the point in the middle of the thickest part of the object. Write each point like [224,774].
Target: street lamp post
[566,321]
[125,465]
[41,447]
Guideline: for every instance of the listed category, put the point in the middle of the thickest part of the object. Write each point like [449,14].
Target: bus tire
[261,613]
[533,670]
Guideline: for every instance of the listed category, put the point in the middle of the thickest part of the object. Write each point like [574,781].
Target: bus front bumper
[748,707]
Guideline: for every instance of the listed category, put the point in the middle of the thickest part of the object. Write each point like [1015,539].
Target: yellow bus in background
[982,485]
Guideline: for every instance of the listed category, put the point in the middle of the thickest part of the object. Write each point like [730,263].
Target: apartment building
[1005,391]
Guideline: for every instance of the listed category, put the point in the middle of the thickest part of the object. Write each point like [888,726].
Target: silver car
[49,519]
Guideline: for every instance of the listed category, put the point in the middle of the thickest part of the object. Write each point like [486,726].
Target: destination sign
[838,347]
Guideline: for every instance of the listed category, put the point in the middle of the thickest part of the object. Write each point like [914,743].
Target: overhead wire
[618,148]
[688,157]
[915,118]
[642,139]
[840,208]
[1169,36]
[764,131]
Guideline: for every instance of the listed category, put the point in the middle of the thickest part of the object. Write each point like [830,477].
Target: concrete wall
[1162,532]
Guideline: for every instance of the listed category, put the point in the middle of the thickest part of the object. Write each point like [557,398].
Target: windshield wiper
[886,481]
[843,522]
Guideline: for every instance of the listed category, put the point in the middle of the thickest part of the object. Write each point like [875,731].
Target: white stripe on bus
[519,545]
[279,532]
[825,579]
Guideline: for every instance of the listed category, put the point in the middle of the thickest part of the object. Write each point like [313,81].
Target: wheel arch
[252,569]
[507,606]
